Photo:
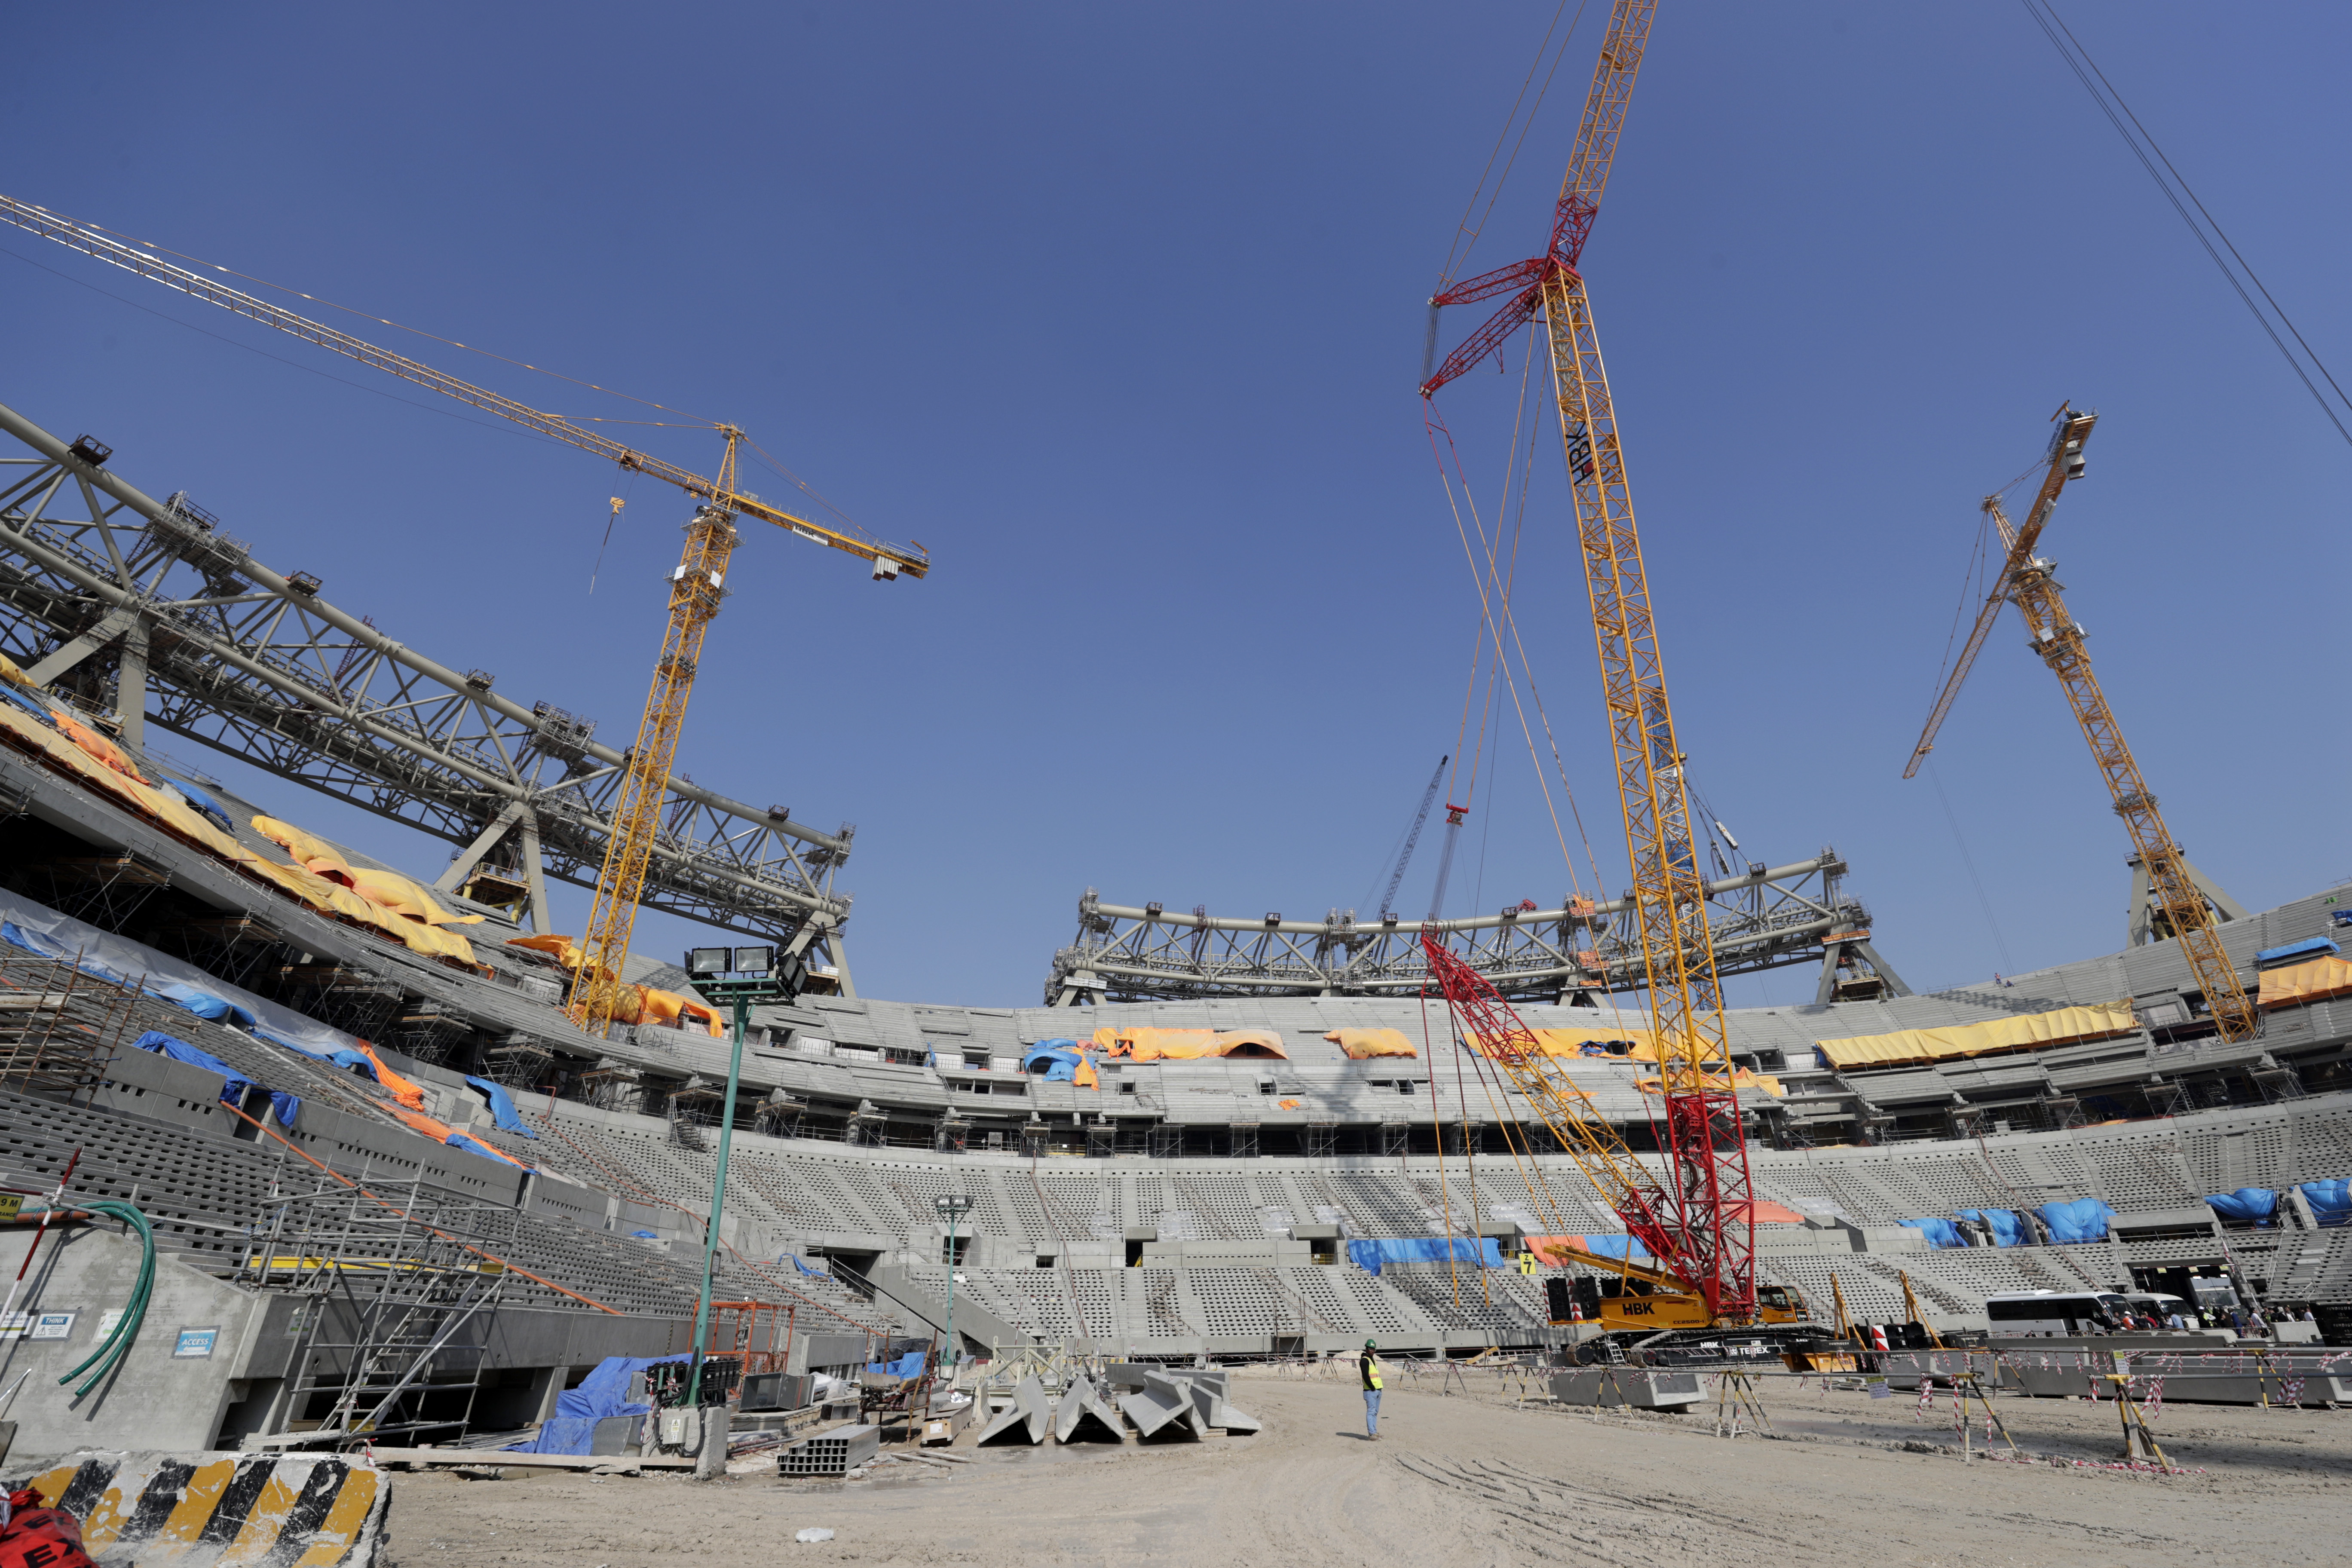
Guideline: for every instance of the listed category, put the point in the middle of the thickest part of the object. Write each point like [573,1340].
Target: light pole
[954,1206]
[741,976]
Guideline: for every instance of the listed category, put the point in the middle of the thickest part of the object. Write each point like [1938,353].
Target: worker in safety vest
[1370,1365]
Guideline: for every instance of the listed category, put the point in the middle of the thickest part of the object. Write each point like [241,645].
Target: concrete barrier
[191,1511]
[1084,1415]
[1027,1419]
[1211,1408]
[1611,1386]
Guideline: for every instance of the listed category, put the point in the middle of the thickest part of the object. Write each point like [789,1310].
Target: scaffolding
[60,1032]
[397,1302]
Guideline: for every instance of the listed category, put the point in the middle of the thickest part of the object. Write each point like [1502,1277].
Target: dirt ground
[1467,1480]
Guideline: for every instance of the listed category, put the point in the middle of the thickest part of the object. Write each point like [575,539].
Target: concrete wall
[154,1399]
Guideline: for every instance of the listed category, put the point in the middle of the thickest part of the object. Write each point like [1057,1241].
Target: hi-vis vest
[1372,1372]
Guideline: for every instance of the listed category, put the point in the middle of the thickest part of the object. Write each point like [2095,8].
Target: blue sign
[196,1344]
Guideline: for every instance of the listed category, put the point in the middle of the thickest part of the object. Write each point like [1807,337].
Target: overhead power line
[2301,358]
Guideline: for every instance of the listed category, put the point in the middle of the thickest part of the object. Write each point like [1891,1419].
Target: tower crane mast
[1412,838]
[2029,582]
[1711,1211]
[696,587]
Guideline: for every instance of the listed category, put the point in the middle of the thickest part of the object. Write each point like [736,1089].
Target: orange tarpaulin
[1085,1076]
[406,1091]
[439,1133]
[667,1007]
[2298,983]
[1361,1044]
[96,744]
[563,949]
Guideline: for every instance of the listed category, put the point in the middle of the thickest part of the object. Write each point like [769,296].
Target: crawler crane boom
[1711,1200]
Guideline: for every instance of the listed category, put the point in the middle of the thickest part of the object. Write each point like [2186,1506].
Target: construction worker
[1370,1365]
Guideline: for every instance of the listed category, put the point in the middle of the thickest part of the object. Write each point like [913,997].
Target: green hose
[126,1329]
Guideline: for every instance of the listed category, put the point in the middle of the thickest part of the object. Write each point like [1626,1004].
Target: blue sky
[1119,309]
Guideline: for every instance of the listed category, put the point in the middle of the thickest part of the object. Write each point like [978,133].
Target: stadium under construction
[311,1156]
[393,1187]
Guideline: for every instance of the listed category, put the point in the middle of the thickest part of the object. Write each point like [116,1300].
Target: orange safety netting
[1362,1044]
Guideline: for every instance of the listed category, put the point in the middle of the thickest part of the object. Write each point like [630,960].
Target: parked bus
[2056,1313]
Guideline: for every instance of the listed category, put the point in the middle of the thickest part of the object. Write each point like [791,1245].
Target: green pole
[718,1197]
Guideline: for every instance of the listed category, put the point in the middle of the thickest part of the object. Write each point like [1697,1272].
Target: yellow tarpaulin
[312,853]
[8,671]
[1740,1078]
[1147,1045]
[411,898]
[1571,1043]
[2313,981]
[1362,1044]
[2064,1026]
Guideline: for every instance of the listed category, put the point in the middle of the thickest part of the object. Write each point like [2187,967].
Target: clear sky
[1120,310]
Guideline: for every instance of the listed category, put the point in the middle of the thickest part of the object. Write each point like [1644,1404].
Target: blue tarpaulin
[204,804]
[796,1261]
[602,1393]
[1058,1059]
[1615,1247]
[233,1083]
[503,1107]
[645,1236]
[2247,1206]
[31,704]
[193,999]
[2008,1230]
[2331,1201]
[2295,952]
[908,1365]
[2084,1219]
[1372,1256]
[1939,1232]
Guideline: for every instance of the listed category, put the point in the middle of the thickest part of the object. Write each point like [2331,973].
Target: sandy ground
[1465,1480]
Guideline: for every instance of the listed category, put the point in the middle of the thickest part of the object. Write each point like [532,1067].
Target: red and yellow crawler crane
[1705,1219]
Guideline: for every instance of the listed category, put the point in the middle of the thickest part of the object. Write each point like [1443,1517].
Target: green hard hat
[1367,1344]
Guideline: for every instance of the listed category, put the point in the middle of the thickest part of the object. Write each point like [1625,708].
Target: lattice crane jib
[2029,582]
[1491,1027]
[696,589]
[1713,1193]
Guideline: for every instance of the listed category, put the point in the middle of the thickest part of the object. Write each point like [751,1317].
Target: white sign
[106,1321]
[52,1326]
[14,1325]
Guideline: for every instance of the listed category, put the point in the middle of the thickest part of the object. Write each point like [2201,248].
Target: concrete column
[131,686]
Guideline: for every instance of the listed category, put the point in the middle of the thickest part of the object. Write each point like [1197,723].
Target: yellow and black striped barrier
[194,1511]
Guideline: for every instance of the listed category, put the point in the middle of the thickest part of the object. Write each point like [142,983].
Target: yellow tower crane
[696,587]
[2028,581]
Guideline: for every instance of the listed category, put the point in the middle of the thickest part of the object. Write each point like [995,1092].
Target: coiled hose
[126,1329]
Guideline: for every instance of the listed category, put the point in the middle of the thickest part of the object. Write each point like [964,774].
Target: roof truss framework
[259,665]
